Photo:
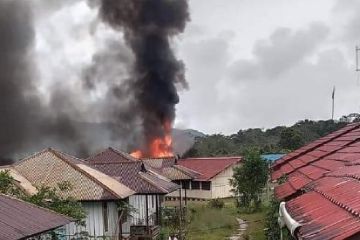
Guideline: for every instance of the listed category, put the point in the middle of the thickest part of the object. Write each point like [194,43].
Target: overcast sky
[250,63]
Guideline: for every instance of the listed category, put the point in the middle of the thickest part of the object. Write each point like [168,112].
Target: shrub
[216,203]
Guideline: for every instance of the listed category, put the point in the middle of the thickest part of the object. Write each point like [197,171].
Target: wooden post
[186,194]
[157,210]
[180,216]
[147,213]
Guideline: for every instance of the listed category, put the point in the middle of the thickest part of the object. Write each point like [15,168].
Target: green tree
[249,179]
[51,198]
[291,139]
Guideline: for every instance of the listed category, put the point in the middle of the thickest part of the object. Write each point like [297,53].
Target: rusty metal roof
[336,139]
[19,220]
[330,208]
[342,149]
[209,167]
[51,167]
[321,218]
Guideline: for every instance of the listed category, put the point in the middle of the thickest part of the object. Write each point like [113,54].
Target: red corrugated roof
[322,219]
[19,220]
[335,136]
[209,167]
[331,207]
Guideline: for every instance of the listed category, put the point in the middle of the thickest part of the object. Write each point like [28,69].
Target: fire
[158,147]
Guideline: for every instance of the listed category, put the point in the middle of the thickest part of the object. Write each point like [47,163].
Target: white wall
[139,217]
[94,222]
[220,185]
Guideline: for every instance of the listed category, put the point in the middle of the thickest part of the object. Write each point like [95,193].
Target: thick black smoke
[27,123]
[148,26]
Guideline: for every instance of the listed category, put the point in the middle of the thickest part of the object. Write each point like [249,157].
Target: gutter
[286,220]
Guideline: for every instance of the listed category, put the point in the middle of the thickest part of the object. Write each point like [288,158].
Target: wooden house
[150,188]
[214,174]
[103,183]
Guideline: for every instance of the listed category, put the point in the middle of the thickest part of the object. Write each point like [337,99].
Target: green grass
[213,224]
[256,224]
[206,223]
[210,223]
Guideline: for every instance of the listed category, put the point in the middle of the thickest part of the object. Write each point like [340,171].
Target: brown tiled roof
[110,155]
[19,220]
[131,173]
[50,167]
[170,169]
[20,180]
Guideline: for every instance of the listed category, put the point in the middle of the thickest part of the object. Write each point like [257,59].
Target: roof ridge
[118,152]
[211,158]
[115,162]
[353,127]
[77,168]
[31,156]
[326,155]
[123,154]
[338,203]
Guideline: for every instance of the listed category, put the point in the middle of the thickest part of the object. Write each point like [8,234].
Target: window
[195,185]
[205,185]
[105,216]
[185,185]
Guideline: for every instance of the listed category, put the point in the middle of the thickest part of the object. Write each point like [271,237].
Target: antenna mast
[357,50]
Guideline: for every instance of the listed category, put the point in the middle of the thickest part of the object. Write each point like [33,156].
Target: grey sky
[250,63]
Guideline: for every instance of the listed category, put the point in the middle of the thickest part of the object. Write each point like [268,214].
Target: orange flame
[159,147]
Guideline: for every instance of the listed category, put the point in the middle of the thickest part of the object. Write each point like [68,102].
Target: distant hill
[184,139]
[280,139]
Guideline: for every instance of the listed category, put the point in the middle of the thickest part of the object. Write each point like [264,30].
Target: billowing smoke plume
[26,121]
[148,26]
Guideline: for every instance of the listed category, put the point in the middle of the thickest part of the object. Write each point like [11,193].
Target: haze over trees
[279,139]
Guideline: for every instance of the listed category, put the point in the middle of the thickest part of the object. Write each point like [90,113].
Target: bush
[216,203]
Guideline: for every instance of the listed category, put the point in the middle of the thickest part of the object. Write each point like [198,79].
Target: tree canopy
[279,139]
[249,179]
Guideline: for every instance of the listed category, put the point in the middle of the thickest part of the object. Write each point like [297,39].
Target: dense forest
[279,139]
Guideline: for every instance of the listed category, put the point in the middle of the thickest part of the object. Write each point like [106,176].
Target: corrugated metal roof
[20,220]
[50,167]
[331,207]
[327,156]
[209,167]
[321,218]
[333,137]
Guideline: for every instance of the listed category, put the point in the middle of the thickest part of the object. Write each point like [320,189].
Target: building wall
[220,185]
[94,222]
[139,217]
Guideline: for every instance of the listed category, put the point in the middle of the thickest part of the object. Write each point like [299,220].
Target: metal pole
[357,58]
[180,216]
